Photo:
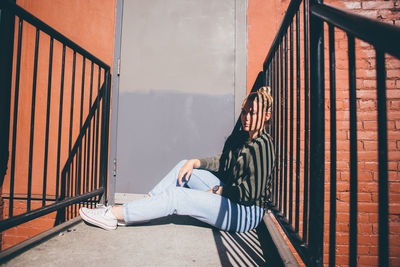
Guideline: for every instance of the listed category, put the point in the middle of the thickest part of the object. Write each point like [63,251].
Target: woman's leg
[210,208]
[199,180]
[169,181]
[203,180]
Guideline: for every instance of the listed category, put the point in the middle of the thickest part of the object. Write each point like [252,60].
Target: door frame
[240,75]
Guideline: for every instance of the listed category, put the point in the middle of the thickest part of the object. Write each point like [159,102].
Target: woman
[228,191]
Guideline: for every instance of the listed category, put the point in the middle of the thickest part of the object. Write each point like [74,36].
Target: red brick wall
[260,35]
[389,12]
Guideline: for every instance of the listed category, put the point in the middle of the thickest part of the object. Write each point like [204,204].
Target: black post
[383,158]
[332,205]
[317,139]
[104,133]
[6,55]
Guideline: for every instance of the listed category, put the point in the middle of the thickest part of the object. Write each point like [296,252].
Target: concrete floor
[171,241]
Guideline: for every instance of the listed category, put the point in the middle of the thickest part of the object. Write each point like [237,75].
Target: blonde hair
[263,94]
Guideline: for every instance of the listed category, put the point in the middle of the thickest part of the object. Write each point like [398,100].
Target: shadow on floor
[253,248]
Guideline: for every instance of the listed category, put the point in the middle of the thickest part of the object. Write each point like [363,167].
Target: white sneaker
[119,223]
[101,217]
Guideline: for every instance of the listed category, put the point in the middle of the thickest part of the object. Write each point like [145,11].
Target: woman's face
[254,118]
[249,116]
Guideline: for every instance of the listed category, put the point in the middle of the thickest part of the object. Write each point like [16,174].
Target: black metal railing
[70,152]
[294,68]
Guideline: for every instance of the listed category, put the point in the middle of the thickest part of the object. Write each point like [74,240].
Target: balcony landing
[171,241]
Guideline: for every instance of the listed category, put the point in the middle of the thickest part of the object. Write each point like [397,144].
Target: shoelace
[100,209]
[103,208]
[98,205]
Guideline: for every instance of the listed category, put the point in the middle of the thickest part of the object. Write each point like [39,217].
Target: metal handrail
[287,19]
[99,109]
[369,30]
[23,14]
[28,216]
[385,39]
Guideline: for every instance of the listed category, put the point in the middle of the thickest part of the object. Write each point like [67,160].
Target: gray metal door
[176,86]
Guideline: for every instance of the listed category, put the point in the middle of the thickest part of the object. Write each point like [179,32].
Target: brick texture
[367,142]
[388,12]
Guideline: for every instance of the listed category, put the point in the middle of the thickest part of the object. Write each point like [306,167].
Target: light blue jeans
[168,198]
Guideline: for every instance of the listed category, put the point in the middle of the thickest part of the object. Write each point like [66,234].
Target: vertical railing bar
[79,178]
[67,185]
[93,135]
[332,217]
[306,124]
[60,120]
[104,148]
[84,178]
[272,123]
[277,105]
[32,129]
[317,141]
[102,132]
[89,131]
[97,127]
[353,152]
[383,242]
[47,122]
[285,195]
[15,118]
[273,73]
[271,78]
[72,104]
[281,132]
[291,129]
[105,135]
[298,116]
[71,179]
[68,180]
[82,91]
[107,92]
[91,85]
[76,180]
[71,117]
[87,159]
[93,152]
[61,213]
[83,174]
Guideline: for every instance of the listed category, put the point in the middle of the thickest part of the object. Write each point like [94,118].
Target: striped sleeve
[211,164]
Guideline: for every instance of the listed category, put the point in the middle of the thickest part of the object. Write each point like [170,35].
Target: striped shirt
[245,168]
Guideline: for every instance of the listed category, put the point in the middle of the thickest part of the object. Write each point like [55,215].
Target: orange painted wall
[263,21]
[89,24]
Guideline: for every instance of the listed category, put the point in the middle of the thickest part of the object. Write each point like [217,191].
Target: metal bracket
[118,66]
[115,167]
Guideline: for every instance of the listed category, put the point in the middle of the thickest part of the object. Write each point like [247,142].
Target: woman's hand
[187,170]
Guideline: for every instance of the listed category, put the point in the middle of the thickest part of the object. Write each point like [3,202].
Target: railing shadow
[253,248]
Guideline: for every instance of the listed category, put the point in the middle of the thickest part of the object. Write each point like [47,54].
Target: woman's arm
[211,164]
[187,169]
